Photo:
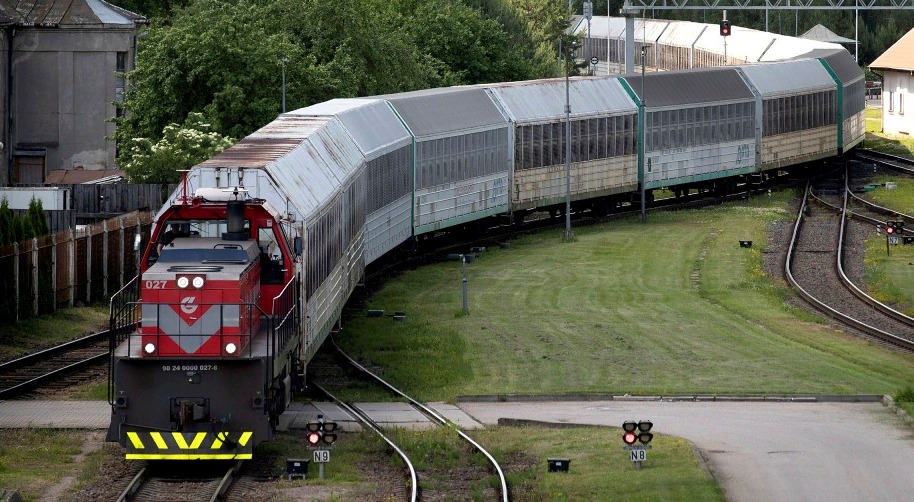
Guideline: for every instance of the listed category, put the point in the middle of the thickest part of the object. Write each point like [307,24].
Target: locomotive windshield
[229,255]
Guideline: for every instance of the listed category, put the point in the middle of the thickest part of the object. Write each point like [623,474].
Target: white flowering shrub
[181,147]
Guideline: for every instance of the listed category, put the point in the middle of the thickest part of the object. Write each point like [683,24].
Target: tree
[224,59]
[473,48]
[181,147]
[160,9]
[7,220]
[36,220]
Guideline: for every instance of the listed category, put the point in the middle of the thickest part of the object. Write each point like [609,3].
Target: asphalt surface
[762,451]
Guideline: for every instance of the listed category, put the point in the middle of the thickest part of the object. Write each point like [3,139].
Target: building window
[891,102]
[120,84]
[901,103]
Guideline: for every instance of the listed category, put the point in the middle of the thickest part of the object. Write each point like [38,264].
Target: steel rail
[371,424]
[828,310]
[886,159]
[30,359]
[434,414]
[30,384]
[133,487]
[227,480]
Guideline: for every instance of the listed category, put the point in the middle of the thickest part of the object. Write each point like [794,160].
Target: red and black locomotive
[213,357]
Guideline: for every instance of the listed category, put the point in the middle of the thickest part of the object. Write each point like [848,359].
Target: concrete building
[59,64]
[897,67]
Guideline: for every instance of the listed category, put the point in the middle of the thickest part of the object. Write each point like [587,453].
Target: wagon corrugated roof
[434,112]
[306,157]
[705,85]
[545,99]
[371,123]
[842,63]
[794,76]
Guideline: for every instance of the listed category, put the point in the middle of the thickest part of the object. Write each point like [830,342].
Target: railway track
[54,366]
[422,482]
[208,482]
[815,266]
[888,160]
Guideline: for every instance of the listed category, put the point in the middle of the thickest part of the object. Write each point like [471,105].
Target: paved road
[764,451]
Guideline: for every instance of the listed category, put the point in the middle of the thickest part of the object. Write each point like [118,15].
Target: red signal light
[725,28]
[314,438]
[629,438]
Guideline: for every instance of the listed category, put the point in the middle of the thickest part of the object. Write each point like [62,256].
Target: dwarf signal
[637,432]
[321,433]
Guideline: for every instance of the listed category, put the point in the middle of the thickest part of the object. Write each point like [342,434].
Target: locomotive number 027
[156,284]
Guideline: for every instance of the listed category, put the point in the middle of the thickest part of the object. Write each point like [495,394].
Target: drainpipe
[10,36]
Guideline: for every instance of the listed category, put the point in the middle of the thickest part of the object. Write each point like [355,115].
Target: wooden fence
[69,268]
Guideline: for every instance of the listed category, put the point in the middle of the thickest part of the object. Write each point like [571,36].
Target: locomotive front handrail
[249,315]
[121,322]
[285,315]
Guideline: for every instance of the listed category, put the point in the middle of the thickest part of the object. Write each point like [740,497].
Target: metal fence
[69,268]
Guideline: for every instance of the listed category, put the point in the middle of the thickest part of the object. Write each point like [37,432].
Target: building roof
[59,13]
[78,176]
[900,56]
[823,34]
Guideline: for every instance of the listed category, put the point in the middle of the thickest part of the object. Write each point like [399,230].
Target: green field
[675,306]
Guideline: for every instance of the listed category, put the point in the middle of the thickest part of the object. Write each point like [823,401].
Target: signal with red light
[637,432]
[321,433]
[725,28]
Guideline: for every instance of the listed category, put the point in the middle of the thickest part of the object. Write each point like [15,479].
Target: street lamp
[643,173]
[283,61]
[568,234]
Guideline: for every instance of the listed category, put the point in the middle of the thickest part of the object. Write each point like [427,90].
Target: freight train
[246,271]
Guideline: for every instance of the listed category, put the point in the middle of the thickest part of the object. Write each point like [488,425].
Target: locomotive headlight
[230,348]
[198,282]
[183,282]
[150,348]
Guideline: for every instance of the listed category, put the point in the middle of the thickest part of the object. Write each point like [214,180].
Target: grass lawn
[674,306]
[26,336]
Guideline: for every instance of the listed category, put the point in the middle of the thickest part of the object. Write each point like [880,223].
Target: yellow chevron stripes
[188,445]
[190,456]
[182,442]
[160,441]
[135,440]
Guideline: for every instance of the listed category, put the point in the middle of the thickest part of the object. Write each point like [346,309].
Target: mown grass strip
[673,306]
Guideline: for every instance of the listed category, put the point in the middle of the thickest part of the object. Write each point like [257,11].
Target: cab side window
[270,257]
